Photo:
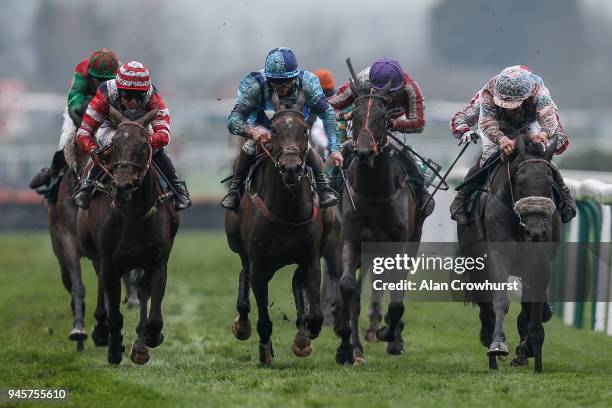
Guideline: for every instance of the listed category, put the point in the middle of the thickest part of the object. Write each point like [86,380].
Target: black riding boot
[457,208]
[327,196]
[231,201]
[45,175]
[163,161]
[82,197]
[567,206]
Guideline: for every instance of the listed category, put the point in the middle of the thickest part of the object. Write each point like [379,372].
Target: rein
[377,144]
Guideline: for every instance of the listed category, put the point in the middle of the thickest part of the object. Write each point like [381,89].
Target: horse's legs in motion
[355,313]
[152,333]
[348,287]
[140,352]
[242,325]
[302,346]
[375,312]
[522,350]
[498,346]
[112,285]
[487,325]
[99,334]
[392,333]
[535,335]
[259,280]
[67,251]
[130,280]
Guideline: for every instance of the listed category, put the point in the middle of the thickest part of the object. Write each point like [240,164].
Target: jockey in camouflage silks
[88,74]
[248,119]
[516,100]
[132,94]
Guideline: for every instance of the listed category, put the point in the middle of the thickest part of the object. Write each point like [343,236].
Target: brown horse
[279,224]
[61,217]
[131,226]
[386,212]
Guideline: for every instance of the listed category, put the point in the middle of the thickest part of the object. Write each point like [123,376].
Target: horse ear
[301,101]
[354,88]
[147,118]
[275,101]
[385,89]
[116,117]
[550,150]
[520,144]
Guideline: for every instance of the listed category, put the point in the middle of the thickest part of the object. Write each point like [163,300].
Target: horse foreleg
[348,287]
[535,336]
[523,351]
[392,333]
[99,334]
[112,285]
[153,335]
[139,354]
[241,328]
[374,314]
[501,303]
[301,346]
[259,281]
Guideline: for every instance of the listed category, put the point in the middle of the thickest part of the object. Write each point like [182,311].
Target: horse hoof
[395,348]
[302,346]
[498,348]
[139,354]
[99,335]
[370,335]
[384,334]
[519,362]
[344,356]
[78,334]
[241,328]
[265,354]
[154,340]
[358,358]
[115,358]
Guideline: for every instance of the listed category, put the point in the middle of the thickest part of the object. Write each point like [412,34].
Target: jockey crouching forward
[514,101]
[409,117]
[248,119]
[132,94]
[88,75]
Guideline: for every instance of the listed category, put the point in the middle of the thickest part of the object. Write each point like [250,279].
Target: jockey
[88,75]
[514,100]
[248,119]
[406,97]
[132,94]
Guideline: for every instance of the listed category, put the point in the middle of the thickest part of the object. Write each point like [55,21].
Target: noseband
[125,163]
[531,204]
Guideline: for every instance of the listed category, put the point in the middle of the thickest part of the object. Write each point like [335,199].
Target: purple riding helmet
[384,70]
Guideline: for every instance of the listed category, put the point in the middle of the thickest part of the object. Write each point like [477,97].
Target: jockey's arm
[78,98]
[247,100]
[160,123]
[548,118]
[413,118]
[466,118]
[96,112]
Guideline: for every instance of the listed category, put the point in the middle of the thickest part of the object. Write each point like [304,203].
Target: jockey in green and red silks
[512,101]
[88,74]
[248,119]
[132,94]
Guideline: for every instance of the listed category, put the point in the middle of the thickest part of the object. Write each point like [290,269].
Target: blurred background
[197,53]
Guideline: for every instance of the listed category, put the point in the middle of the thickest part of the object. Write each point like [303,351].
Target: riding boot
[45,175]
[418,184]
[327,196]
[457,208]
[567,205]
[163,161]
[231,201]
[82,197]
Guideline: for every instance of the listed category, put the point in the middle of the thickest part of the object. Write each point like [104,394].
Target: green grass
[201,364]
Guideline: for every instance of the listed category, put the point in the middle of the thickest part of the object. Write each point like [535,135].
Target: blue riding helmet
[281,64]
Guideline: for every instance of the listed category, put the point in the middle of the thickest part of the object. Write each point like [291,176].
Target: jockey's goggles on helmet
[129,95]
[278,84]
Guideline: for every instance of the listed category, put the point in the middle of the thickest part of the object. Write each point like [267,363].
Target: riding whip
[348,190]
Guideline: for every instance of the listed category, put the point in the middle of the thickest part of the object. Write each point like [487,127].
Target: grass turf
[201,364]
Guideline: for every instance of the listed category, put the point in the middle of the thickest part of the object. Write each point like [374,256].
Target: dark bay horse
[278,224]
[518,209]
[61,217]
[131,226]
[386,212]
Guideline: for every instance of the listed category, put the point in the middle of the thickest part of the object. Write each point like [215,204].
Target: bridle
[125,163]
[376,144]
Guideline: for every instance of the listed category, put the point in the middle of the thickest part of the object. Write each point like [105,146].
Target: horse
[518,209]
[386,212]
[279,223]
[131,226]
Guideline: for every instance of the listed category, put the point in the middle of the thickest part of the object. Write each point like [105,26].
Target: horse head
[131,154]
[369,121]
[289,139]
[532,184]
